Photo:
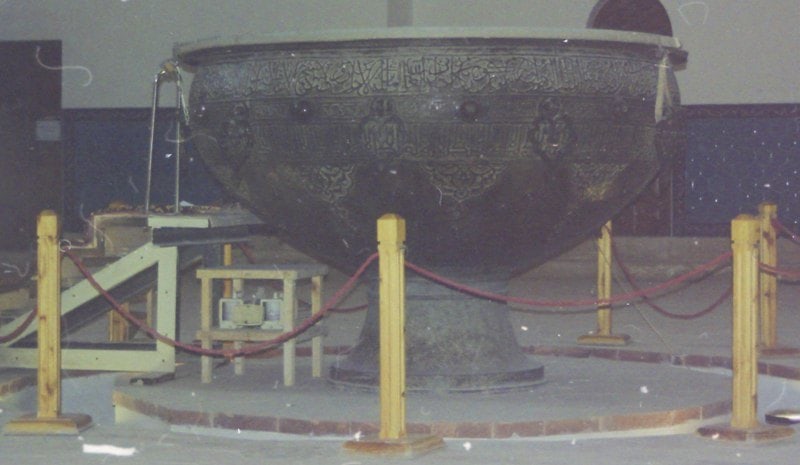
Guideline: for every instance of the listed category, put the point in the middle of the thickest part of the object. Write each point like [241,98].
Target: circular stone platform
[580,395]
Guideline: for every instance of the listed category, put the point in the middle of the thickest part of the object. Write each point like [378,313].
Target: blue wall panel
[106,161]
[738,156]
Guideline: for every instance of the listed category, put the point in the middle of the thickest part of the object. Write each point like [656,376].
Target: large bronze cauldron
[500,148]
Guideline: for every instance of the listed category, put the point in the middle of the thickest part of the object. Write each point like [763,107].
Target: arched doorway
[631,15]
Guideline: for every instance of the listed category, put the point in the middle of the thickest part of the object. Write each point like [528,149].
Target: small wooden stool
[289,274]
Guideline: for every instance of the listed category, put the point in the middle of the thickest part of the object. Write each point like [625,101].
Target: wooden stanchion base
[760,433]
[65,424]
[604,340]
[411,446]
[778,351]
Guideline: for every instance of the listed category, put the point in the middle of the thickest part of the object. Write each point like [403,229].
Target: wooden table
[289,274]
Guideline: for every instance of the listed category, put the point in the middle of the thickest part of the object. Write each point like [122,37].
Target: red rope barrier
[782,273]
[791,274]
[776,223]
[247,250]
[12,286]
[626,297]
[353,309]
[678,316]
[22,326]
[252,349]
[352,281]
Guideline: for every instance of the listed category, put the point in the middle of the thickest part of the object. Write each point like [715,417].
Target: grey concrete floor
[156,443]
[569,277]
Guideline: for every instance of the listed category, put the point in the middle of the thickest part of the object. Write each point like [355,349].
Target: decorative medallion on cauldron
[500,148]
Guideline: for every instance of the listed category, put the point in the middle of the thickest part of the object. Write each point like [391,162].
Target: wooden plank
[118,327]
[294,271]
[227,260]
[253,335]
[93,359]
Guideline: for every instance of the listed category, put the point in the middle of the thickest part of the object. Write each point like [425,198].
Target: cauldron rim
[195,51]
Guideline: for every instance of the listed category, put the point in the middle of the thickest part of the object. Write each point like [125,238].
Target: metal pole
[156,83]
[178,123]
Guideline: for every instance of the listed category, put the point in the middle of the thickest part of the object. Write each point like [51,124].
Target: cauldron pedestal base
[454,342]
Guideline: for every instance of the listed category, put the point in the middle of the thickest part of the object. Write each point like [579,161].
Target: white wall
[123,42]
[741,51]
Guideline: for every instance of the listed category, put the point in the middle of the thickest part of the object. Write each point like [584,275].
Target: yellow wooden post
[392,438]
[768,282]
[206,318]
[744,231]
[744,424]
[391,241]
[48,418]
[603,335]
[604,281]
[48,291]
[227,260]
[768,286]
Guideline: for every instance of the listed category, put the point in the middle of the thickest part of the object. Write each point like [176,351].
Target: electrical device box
[236,314]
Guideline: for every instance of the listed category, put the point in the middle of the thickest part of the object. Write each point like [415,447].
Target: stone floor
[580,396]
[639,404]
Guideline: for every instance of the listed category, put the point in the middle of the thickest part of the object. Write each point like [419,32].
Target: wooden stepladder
[48,418]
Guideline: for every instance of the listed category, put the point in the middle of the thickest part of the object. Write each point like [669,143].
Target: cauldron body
[500,149]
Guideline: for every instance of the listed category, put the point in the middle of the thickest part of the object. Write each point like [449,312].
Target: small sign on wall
[48,130]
